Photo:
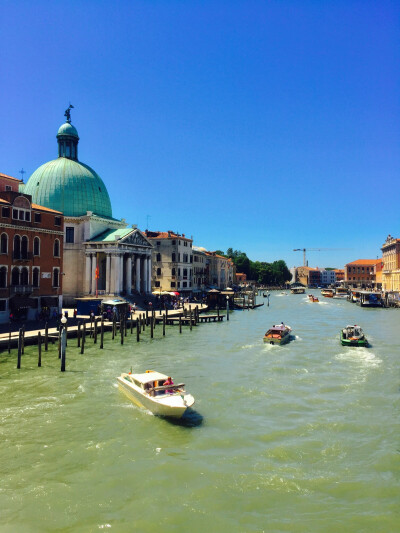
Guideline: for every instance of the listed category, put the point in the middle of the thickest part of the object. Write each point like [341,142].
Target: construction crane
[304,250]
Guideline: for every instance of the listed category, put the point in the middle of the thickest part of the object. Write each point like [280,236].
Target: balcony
[21,289]
[22,257]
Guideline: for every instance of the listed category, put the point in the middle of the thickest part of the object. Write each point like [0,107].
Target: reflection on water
[296,438]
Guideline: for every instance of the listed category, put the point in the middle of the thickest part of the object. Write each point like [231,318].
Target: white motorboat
[148,390]
[340,293]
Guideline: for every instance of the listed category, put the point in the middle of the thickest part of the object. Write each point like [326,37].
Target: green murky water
[298,438]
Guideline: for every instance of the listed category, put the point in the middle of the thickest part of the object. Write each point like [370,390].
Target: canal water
[298,438]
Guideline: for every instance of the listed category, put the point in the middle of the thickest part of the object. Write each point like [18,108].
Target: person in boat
[168,381]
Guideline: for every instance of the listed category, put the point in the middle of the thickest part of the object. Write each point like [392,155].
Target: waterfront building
[199,269]
[391,264]
[241,278]
[8,183]
[314,277]
[172,261]
[339,274]
[328,277]
[302,275]
[31,252]
[219,271]
[102,256]
[364,273]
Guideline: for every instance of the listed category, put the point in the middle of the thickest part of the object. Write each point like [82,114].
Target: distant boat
[279,334]
[353,336]
[298,290]
[341,293]
[328,293]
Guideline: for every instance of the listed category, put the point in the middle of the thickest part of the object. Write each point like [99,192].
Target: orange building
[241,277]
[8,183]
[391,264]
[31,250]
[364,273]
[340,274]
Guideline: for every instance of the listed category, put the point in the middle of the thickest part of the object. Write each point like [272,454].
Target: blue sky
[258,125]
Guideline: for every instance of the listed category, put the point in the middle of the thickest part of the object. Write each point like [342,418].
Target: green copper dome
[67,185]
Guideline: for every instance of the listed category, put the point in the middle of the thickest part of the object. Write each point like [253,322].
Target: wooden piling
[190,317]
[78,335]
[19,348]
[180,324]
[138,329]
[39,349]
[218,311]
[143,322]
[152,327]
[95,331]
[121,329]
[163,325]
[131,323]
[147,317]
[46,337]
[83,338]
[125,325]
[59,342]
[113,328]
[23,340]
[102,333]
[91,325]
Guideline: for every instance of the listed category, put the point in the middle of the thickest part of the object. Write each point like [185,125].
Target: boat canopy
[149,376]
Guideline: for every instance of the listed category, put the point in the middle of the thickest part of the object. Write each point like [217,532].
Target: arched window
[24,276]
[56,277]
[15,276]
[24,247]
[17,247]
[36,246]
[57,249]
[4,243]
[158,271]
[35,277]
[3,277]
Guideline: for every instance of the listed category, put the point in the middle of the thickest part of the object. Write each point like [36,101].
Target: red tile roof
[9,177]
[165,235]
[365,262]
[42,208]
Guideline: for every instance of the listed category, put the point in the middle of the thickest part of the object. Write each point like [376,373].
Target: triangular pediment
[137,238]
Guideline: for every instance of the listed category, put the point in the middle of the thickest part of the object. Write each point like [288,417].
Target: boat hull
[279,342]
[175,407]
[358,343]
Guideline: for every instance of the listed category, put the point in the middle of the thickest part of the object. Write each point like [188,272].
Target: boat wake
[361,356]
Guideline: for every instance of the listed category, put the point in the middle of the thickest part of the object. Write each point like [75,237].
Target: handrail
[167,387]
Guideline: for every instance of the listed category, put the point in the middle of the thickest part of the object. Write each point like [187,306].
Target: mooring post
[218,311]
[125,324]
[166,311]
[131,323]
[138,328]
[19,348]
[147,317]
[102,333]
[227,308]
[95,331]
[46,337]
[113,328]
[164,320]
[63,342]
[23,340]
[59,343]
[180,324]
[190,318]
[78,335]
[153,316]
[91,326]
[143,321]
[152,327]
[83,338]
[39,342]
[121,329]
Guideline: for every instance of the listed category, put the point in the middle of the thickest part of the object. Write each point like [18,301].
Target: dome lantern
[68,138]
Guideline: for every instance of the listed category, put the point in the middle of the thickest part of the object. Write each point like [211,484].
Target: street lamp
[63,341]
[227,307]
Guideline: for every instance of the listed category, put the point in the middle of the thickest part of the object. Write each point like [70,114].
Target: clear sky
[258,125]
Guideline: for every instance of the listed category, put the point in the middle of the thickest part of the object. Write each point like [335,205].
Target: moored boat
[341,293]
[298,290]
[279,334]
[148,390]
[353,336]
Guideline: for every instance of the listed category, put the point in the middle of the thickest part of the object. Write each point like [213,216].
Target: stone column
[117,274]
[112,274]
[137,273]
[108,273]
[88,270]
[93,280]
[121,278]
[149,273]
[128,287]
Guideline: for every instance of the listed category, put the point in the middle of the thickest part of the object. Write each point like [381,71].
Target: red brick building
[31,250]
[8,183]
[364,273]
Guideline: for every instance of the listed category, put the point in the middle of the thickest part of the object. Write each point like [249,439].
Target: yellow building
[391,264]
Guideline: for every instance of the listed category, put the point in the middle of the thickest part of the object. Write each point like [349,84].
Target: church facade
[102,256]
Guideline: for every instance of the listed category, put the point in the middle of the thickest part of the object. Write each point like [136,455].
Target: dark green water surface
[298,438]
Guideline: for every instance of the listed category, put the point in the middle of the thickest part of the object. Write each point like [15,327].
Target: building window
[27,216]
[21,215]
[179,284]
[4,243]
[56,277]
[179,271]
[17,247]
[179,258]
[173,272]
[173,284]
[156,283]
[8,188]
[35,277]
[158,271]
[38,218]
[6,212]
[158,243]
[15,214]
[3,277]
[56,249]
[36,246]
[69,234]
[24,276]
[173,258]
[173,242]
[24,247]
[3,305]
[184,284]
[158,258]
[57,221]
[185,273]
[15,276]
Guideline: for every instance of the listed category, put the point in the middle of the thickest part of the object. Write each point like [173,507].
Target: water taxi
[279,334]
[148,390]
[328,293]
[341,293]
[353,336]
[298,290]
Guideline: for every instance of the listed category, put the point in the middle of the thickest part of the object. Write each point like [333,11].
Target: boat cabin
[352,332]
[277,332]
[152,383]
[370,299]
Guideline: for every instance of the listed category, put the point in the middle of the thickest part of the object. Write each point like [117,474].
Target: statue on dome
[68,113]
